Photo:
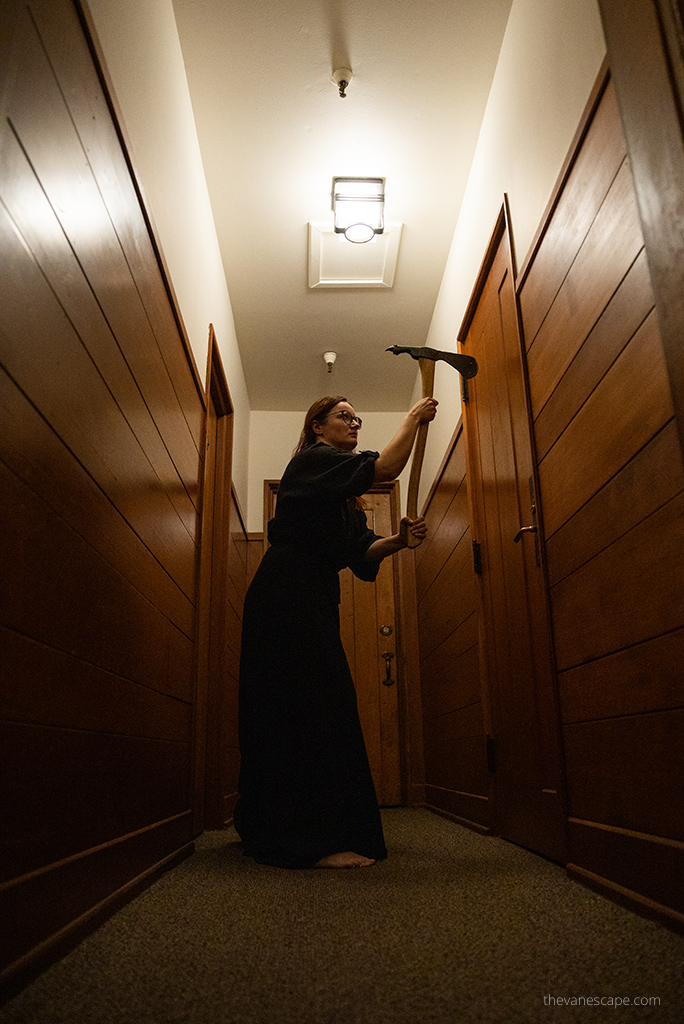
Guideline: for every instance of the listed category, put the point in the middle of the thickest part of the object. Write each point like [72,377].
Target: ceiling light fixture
[359,208]
[330,358]
[341,78]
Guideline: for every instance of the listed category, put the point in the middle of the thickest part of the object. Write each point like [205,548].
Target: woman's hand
[418,527]
[424,410]
[396,454]
[384,546]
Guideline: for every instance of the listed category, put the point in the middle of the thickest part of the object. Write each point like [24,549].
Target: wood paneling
[101,420]
[642,678]
[652,478]
[90,111]
[608,251]
[449,601]
[457,781]
[612,501]
[650,868]
[630,592]
[79,892]
[636,392]
[628,772]
[37,456]
[618,323]
[58,590]
[590,171]
[455,757]
[67,790]
[455,659]
[644,40]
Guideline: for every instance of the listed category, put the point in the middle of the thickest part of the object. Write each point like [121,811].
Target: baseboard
[633,901]
[474,826]
[29,966]
[468,808]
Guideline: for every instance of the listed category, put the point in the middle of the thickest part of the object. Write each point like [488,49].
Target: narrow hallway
[453,927]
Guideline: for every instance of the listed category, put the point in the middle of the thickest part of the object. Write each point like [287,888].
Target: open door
[524,751]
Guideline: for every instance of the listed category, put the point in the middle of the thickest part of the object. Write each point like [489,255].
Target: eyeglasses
[349,419]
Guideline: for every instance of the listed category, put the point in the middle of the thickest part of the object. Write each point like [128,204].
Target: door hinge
[491,758]
[477,558]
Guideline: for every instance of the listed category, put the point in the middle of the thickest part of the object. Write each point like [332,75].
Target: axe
[427,357]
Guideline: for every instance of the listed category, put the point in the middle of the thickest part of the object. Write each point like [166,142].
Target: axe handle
[427,373]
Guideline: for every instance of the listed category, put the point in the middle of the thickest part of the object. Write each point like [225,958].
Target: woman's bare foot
[345,860]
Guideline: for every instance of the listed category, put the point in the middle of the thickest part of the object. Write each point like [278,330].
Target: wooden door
[368,625]
[524,745]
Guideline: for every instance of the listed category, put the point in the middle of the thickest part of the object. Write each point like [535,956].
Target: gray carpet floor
[452,927]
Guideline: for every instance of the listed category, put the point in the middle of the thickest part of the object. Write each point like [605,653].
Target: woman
[306,793]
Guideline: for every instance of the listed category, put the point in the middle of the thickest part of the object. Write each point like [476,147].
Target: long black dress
[306,789]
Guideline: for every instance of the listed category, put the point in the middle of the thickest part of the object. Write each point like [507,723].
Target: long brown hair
[317,413]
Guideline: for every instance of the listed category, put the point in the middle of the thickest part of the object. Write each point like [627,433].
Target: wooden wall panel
[608,251]
[593,172]
[636,392]
[630,592]
[101,418]
[611,483]
[618,323]
[633,681]
[66,790]
[636,791]
[79,889]
[648,481]
[89,108]
[60,591]
[457,780]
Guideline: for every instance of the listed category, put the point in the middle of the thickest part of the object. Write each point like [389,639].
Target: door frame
[217,438]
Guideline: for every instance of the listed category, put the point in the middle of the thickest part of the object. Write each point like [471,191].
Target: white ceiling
[273,132]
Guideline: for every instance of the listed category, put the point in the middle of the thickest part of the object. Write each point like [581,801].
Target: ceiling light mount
[341,78]
[359,208]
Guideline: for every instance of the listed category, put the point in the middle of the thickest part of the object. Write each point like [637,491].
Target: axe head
[466,365]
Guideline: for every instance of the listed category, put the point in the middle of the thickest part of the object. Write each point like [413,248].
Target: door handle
[524,529]
[388,681]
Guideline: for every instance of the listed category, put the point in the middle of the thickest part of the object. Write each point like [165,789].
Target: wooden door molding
[211,590]
[645,41]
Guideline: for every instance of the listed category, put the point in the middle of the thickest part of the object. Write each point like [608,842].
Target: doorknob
[531,529]
[524,529]
[388,681]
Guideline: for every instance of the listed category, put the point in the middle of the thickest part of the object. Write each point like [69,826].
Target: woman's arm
[394,457]
[385,546]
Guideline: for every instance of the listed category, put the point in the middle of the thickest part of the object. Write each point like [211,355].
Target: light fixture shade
[359,207]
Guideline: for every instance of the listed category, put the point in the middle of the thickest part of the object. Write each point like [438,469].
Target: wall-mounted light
[359,207]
